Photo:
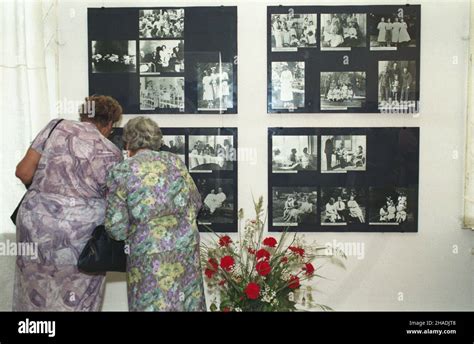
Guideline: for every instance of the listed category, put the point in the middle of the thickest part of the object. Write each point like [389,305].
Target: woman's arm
[26,168]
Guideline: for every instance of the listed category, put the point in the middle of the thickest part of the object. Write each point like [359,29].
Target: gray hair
[142,132]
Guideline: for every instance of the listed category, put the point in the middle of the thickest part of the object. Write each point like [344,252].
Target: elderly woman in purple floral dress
[152,204]
[66,166]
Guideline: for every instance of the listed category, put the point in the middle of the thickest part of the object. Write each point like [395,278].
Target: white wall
[420,265]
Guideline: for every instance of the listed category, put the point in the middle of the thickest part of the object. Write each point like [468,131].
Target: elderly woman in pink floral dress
[152,204]
[66,166]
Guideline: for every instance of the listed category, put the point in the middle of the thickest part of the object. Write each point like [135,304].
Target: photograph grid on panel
[165,60]
[211,157]
[362,59]
[343,179]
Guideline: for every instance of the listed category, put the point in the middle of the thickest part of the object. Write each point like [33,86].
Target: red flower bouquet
[257,273]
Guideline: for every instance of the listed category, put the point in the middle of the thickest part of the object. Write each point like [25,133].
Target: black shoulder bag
[15,212]
[102,254]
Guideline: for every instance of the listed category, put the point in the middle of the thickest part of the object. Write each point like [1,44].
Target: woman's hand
[26,168]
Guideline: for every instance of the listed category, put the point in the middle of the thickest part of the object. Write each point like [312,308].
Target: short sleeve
[40,139]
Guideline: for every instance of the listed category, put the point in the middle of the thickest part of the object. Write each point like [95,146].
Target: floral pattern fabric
[64,204]
[152,204]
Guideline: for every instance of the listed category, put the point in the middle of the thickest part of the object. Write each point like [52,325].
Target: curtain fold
[469,169]
[28,94]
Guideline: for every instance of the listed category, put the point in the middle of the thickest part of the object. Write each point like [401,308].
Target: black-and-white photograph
[291,31]
[288,85]
[161,93]
[342,90]
[165,56]
[293,206]
[391,206]
[343,31]
[343,206]
[389,31]
[218,201]
[397,85]
[294,153]
[114,57]
[215,86]
[340,154]
[209,153]
[161,23]
[174,144]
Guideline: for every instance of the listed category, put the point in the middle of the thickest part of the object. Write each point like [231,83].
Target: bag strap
[44,145]
[51,131]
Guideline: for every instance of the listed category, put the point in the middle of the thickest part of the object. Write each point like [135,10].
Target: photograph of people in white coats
[288,85]
[291,31]
[391,31]
[215,86]
[218,200]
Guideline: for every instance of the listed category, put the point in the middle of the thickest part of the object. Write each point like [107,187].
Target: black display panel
[211,157]
[357,59]
[165,60]
[343,179]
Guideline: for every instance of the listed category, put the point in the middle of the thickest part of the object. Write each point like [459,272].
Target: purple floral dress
[65,202]
[152,203]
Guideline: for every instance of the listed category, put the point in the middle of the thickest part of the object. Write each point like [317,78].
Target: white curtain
[469,185]
[28,93]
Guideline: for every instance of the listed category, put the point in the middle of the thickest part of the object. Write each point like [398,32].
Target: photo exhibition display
[165,60]
[342,59]
[357,59]
[343,179]
[211,157]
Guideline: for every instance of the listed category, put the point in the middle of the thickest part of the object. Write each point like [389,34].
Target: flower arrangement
[258,273]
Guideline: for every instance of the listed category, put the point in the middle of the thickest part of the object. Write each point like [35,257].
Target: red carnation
[263,268]
[294,282]
[226,309]
[251,250]
[252,290]
[284,260]
[221,282]
[209,273]
[270,242]
[309,268]
[297,250]
[225,240]
[262,253]
[227,262]
[213,263]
